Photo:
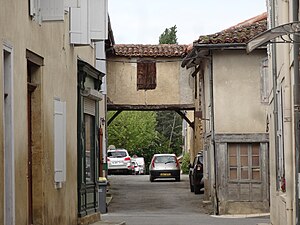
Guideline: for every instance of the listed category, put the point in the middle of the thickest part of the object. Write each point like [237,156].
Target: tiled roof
[240,33]
[163,50]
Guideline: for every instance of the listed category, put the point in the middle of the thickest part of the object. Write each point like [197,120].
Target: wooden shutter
[98,19]
[59,141]
[146,75]
[79,31]
[151,75]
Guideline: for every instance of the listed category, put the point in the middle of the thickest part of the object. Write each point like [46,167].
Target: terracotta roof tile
[240,33]
[135,50]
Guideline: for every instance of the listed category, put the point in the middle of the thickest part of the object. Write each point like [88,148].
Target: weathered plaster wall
[58,78]
[174,84]
[237,105]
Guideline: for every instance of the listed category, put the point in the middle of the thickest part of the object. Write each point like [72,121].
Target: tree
[169,36]
[169,124]
[133,130]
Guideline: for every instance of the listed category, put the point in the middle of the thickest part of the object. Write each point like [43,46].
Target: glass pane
[232,161]
[255,174]
[89,146]
[244,160]
[255,149]
[232,149]
[244,174]
[233,174]
[255,160]
[244,149]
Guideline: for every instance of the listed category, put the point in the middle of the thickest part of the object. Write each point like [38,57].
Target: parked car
[118,160]
[140,162]
[196,174]
[135,167]
[164,166]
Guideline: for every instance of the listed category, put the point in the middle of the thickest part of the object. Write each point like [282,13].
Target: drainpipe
[212,118]
[288,126]
[296,96]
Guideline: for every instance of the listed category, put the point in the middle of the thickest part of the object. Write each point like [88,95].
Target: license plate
[165,174]
[116,163]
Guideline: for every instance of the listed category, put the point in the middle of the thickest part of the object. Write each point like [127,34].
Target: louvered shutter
[151,75]
[141,75]
[52,10]
[89,106]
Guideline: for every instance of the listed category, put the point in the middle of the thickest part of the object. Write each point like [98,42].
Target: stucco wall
[58,79]
[174,84]
[236,80]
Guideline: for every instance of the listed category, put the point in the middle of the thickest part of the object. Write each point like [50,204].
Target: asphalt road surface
[137,201]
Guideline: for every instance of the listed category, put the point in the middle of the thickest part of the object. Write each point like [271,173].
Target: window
[146,75]
[244,161]
[89,146]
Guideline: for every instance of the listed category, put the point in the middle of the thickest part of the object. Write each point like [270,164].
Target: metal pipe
[215,187]
[296,95]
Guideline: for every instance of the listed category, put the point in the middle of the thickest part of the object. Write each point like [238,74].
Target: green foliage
[133,130]
[169,36]
[169,127]
[185,163]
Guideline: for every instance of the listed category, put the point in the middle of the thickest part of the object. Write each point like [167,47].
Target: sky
[143,21]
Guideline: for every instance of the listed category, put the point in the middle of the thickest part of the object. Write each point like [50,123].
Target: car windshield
[116,154]
[165,159]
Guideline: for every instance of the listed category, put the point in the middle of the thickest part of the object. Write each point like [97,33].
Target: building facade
[41,68]
[233,110]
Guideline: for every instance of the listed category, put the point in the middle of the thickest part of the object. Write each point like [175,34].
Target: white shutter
[59,141]
[79,24]
[52,10]
[33,4]
[98,19]
[72,3]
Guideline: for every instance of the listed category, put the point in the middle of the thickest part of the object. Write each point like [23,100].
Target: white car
[118,161]
[141,164]
[164,166]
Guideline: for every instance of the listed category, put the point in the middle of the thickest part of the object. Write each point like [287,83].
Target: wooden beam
[113,117]
[183,116]
[112,107]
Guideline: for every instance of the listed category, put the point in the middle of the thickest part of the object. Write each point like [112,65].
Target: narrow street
[137,201]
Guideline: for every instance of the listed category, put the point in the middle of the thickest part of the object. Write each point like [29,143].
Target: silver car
[118,160]
[164,166]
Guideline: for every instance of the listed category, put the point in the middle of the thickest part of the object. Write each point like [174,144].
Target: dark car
[196,174]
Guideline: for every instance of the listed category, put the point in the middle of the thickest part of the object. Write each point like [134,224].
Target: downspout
[296,95]
[288,125]
[212,118]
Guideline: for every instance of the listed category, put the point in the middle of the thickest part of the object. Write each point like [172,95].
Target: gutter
[296,96]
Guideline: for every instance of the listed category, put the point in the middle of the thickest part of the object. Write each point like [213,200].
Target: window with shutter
[146,75]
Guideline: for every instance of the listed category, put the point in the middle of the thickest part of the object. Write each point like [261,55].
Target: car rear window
[117,154]
[164,159]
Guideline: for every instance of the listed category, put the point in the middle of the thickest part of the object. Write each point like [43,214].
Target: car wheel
[177,179]
[151,179]
[197,189]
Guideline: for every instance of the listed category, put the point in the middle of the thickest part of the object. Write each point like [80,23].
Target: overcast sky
[143,21]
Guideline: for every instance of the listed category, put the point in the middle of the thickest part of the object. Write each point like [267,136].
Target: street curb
[241,215]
